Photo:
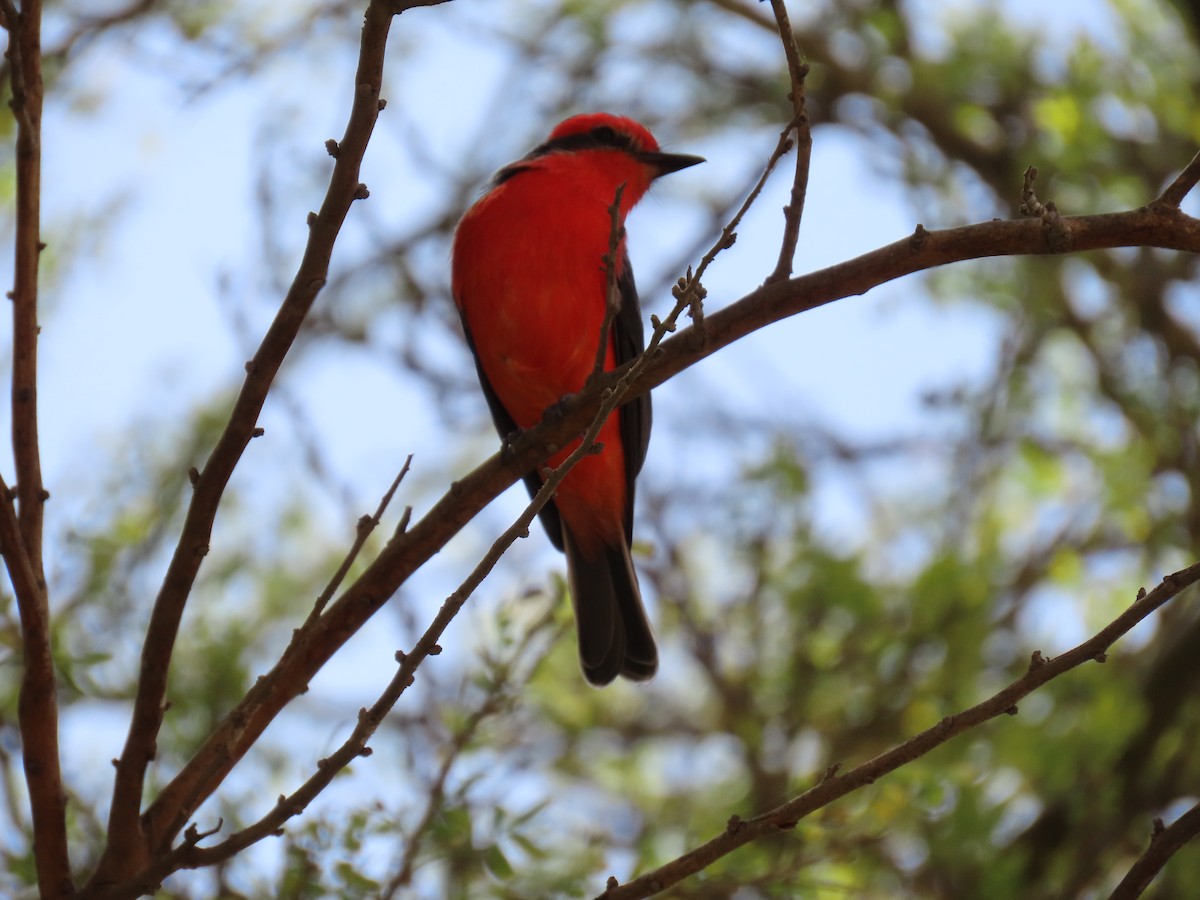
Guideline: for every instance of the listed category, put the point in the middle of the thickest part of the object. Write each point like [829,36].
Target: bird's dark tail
[614,634]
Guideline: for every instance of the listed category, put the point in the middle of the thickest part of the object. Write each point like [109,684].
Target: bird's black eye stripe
[602,137]
[606,135]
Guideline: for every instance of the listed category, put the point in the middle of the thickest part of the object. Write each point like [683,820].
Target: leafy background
[851,525]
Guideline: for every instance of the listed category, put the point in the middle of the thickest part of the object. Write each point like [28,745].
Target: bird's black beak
[666,163]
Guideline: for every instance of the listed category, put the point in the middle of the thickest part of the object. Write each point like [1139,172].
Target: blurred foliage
[1024,518]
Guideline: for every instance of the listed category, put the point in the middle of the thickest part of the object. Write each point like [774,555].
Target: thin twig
[612,299]
[793,213]
[689,290]
[728,234]
[366,525]
[1183,184]
[833,786]
[1164,842]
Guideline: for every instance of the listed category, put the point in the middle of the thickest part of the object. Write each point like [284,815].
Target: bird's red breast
[531,287]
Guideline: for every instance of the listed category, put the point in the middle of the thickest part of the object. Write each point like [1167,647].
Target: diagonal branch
[366,525]
[189,855]
[689,290]
[129,844]
[1183,183]
[833,786]
[1163,844]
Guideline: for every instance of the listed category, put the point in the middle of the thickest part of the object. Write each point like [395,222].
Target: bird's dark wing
[505,425]
[628,342]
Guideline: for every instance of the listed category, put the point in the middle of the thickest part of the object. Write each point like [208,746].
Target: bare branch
[1163,844]
[729,232]
[833,786]
[794,211]
[189,855]
[37,710]
[1183,184]
[366,525]
[502,676]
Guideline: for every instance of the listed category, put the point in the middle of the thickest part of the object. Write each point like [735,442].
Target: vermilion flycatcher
[530,284]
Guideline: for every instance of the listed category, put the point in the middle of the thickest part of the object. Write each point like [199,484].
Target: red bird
[530,284]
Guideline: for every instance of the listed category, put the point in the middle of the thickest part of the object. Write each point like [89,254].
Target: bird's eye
[606,135]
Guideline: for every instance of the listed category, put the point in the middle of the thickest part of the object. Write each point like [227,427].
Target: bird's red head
[615,148]
[618,130]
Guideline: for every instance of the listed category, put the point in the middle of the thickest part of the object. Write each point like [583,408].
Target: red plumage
[530,284]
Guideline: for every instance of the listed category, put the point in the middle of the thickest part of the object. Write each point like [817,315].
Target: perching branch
[132,838]
[833,786]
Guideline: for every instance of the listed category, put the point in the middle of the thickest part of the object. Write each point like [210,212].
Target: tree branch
[793,213]
[130,838]
[366,525]
[833,786]
[38,703]
[1163,844]
[1183,184]
[37,711]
